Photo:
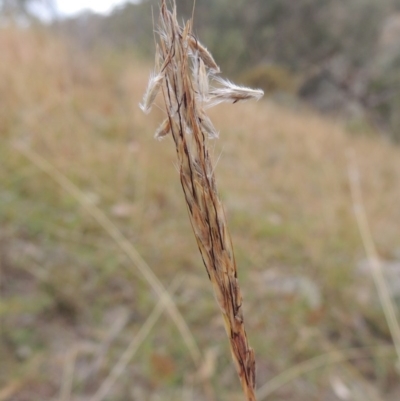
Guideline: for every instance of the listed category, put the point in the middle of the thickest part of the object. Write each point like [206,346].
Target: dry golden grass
[283,180]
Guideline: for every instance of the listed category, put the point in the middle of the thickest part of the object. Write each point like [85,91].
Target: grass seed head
[152,90]
[208,126]
[205,55]
[202,79]
[163,130]
[229,92]
[185,90]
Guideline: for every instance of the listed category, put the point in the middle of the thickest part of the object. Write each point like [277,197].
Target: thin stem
[372,253]
[122,242]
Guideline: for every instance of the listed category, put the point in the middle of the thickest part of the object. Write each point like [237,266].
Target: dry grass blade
[134,345]
[372,254]
[31,371]
[359,388]
[7,392]
[68,375]
[330,358]
[183,86]
[121,241]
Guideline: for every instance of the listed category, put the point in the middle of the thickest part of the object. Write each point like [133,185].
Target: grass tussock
[284,184]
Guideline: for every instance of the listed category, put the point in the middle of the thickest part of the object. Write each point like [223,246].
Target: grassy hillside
[72,300]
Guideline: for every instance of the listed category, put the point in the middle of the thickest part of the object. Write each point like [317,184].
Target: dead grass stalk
[330,358]
[133,346]
[372,253]
[121,241]
[186,71]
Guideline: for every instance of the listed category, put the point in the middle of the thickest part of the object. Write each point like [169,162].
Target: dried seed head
[163,130]
[204,54]
[187,30]
[185,96]
[200,76]
[208,126]
[153,88]
[166,23]
[229,92]
[157,58]
[202,79]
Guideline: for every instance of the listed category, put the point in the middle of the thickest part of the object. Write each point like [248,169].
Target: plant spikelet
[229,92]
[163,130]
[205,55]
[208,126]
[152,90]
[202,79]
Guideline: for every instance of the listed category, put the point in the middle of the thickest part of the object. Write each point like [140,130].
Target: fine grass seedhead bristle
[229,92]
[200,71]
[163,130]
[204,54]
[152,90]
[184,77]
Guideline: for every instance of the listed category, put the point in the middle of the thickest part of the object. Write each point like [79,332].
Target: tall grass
[183,71]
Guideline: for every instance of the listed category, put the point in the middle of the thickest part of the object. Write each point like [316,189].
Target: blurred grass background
[68,293]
